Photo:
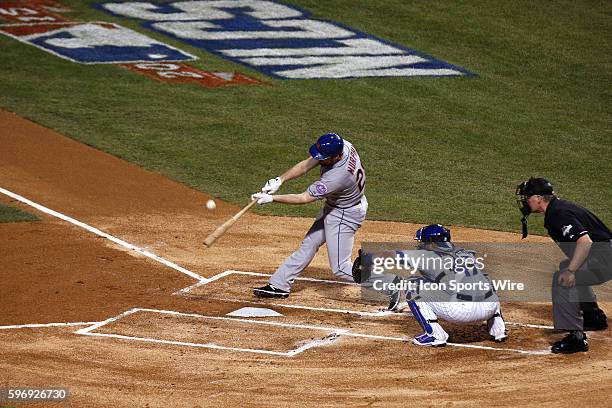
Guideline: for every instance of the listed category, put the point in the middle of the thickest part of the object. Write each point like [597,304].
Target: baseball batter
[342,186]
[451,285]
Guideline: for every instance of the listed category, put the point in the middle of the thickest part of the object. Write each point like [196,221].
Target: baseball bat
[222,229]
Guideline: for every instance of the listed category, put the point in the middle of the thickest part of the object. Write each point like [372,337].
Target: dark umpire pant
[597,269]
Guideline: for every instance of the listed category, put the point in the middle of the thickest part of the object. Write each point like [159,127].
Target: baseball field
[119,122]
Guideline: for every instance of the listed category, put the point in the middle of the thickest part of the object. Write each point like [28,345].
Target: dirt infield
[164,345]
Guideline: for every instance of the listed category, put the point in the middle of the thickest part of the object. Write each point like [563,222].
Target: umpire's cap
[328,145]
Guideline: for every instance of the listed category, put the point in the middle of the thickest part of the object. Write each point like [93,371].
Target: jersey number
[360,179]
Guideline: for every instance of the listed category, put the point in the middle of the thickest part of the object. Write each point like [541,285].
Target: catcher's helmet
[328,145]
[433,233]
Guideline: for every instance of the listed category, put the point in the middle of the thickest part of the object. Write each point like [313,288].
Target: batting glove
[272,185]
[262,198]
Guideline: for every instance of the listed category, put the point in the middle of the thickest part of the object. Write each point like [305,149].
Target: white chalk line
[330,336]
[338,282]
[97,325]
[530,352]
[187,344]
[381,313]
[205,281]
[334,333]
[105,322]
[41,325]
[96,231]
[532,326]
[224,274]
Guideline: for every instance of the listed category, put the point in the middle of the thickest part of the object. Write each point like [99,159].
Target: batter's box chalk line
[333,334]
[200,280]
[43,325]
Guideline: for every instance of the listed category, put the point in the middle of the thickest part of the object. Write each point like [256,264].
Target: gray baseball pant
[335,227]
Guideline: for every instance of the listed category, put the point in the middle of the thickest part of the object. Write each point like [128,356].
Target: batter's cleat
[428,340]
[595,320]
[270,291]
[572,343]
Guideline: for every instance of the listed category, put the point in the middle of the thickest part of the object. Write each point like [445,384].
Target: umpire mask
[533,186]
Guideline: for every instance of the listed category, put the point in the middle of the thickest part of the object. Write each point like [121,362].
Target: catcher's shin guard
[434,333]
[418,315]
[497,327]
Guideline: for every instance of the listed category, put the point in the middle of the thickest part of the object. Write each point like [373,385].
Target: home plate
[254,312]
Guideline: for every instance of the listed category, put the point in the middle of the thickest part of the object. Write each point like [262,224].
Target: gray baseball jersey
[342,186]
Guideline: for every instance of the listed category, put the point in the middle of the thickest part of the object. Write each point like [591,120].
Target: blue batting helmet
[328,145]
[433,233]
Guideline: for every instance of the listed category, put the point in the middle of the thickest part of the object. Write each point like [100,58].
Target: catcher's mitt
[359,272]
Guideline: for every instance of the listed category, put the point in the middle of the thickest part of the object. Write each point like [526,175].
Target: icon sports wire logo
[281,40]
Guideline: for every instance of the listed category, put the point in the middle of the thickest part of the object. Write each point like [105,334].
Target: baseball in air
[211,205]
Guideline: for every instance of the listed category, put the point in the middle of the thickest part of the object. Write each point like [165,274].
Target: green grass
[12,214]
[448,150]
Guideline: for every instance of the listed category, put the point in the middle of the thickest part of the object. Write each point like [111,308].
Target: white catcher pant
[333,226]
[464,312]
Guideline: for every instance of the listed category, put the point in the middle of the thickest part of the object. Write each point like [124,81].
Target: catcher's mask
[531,187]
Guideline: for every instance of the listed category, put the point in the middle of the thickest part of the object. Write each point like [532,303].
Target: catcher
[433,255]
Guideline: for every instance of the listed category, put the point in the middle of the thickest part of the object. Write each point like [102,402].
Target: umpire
[587,243]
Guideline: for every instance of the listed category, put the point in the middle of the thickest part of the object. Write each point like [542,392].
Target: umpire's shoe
[574,342]
[270,291]
[595,320]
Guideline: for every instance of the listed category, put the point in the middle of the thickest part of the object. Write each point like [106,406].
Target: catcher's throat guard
[523,207]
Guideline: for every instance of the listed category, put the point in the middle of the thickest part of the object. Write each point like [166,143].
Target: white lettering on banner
[270,37]
[361,46]
[349,66]
[158,66]
[305,29]
[176,74]
[192,30]
[201,10]
[95,35]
